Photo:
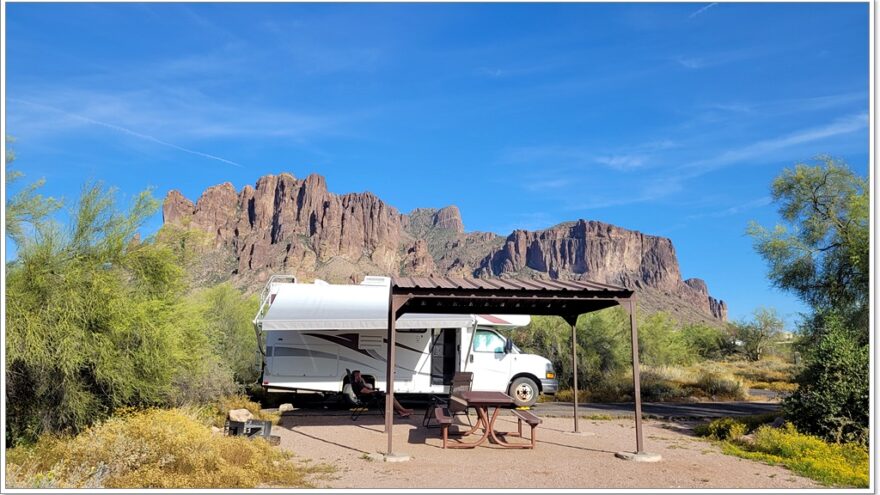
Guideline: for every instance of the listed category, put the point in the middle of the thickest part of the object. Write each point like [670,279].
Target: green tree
[93,321]
[225,315]
[822,253]
[706,341]
[26,207]
[756,336]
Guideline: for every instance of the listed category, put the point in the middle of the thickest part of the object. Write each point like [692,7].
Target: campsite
[437,246]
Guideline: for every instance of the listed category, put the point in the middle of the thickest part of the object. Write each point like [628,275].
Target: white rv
[309,334]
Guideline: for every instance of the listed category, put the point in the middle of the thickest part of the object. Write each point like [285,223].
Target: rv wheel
[524,391]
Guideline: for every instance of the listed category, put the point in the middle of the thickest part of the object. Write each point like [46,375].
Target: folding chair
[358,403]
[461,382]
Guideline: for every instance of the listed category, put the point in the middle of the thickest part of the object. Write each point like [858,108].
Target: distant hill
[290,225]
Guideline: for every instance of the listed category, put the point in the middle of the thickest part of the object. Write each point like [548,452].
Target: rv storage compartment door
[302,354]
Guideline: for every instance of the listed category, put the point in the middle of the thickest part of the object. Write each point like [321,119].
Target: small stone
[216,431]
[241,415]
[283,408]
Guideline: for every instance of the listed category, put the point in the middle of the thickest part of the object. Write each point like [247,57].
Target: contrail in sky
[703,9]
[129,132]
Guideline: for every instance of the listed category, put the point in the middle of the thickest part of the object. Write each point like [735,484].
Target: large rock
[241,415]
[289,225]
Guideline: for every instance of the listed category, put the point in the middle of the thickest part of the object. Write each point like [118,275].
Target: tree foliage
[755,337]
[26,208]
[821,255]
[98,319]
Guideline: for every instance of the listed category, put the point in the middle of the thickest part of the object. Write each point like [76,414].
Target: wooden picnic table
[482,401]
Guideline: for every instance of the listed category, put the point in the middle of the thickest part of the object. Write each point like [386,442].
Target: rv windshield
[489,341]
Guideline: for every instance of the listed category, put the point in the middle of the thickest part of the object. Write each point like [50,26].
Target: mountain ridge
[287,225]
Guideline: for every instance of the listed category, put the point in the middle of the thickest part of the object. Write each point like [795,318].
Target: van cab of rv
[310,334]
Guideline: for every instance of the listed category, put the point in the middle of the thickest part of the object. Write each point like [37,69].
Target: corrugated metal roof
[502,284]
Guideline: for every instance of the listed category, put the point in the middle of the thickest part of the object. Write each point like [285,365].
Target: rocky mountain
[289,225]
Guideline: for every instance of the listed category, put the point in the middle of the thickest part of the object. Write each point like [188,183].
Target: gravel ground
[561,459]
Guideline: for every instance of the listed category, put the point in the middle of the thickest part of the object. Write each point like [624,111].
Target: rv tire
[524,391]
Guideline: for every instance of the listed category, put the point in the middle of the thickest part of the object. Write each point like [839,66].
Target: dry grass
[153,449]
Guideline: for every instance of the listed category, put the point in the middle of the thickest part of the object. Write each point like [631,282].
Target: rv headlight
[550,374]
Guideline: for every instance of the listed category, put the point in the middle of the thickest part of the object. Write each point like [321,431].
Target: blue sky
[670,119]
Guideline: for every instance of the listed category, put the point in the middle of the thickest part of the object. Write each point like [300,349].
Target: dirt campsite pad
[561,459]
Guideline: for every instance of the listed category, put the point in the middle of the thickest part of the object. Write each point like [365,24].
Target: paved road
[660,410]
[699,410]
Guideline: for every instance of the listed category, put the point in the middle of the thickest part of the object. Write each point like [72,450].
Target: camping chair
[359,403]
[461,382]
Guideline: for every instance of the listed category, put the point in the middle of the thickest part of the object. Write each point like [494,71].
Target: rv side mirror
[508,346]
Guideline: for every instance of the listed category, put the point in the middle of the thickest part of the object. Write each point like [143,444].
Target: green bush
[97,320]
[722,386]
[661,343]
[89,322]
[722,429]
[706,341]
[832,400]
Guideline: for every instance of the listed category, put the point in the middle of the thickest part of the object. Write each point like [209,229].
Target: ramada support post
[639,455]
[572,320]
[637,386]
[394,305]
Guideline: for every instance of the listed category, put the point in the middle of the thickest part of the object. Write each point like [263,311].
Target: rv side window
[486,341]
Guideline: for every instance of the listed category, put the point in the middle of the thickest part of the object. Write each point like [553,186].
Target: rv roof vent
[318,281]
[376,280]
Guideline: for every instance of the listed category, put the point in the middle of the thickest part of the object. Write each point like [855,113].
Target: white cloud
[762,149]
[543,185]
[690,62]
[623,162]
[736,209]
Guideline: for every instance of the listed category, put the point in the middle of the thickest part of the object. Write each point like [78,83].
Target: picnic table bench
[531,419]
[482,401]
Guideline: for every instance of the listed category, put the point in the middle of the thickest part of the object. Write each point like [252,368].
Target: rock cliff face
[284,224]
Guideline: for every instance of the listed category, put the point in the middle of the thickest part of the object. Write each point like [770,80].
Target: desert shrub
[96,320]
[223,315]
[602,345]
[722,429]
[88,321]
[706,341]
[662,343]
[832,400]
[721,386]
[152,449]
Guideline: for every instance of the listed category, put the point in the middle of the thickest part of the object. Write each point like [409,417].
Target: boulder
[240,415]
[283,408]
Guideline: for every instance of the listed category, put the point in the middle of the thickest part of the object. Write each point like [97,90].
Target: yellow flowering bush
[155,448]
[832,464]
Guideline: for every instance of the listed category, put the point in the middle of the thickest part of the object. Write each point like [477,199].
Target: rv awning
[345,307]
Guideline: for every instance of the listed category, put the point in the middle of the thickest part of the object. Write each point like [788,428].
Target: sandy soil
[561,459]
